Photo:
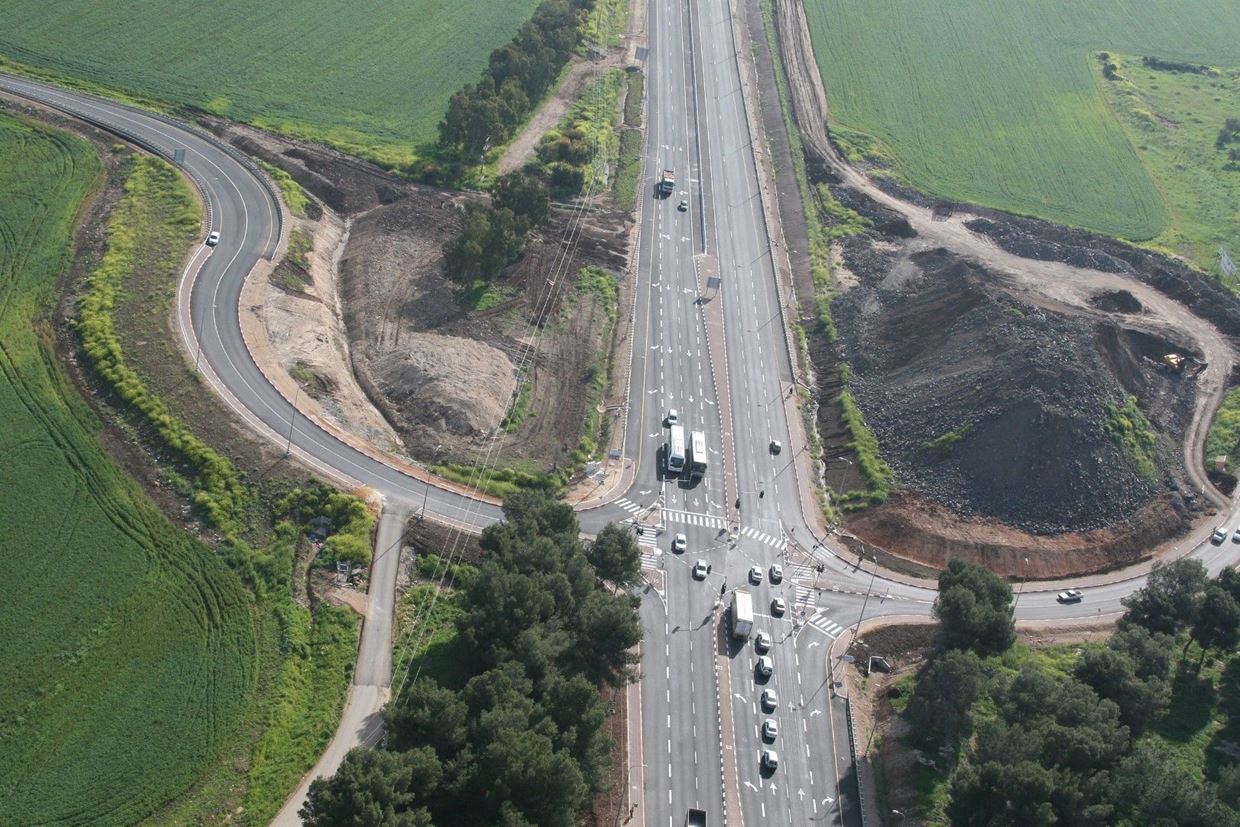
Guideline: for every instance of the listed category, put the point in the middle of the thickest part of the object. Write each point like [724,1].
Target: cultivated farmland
[126,650]
[996,101]
[373,78]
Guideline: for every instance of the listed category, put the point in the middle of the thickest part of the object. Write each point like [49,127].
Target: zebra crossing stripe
[691,518]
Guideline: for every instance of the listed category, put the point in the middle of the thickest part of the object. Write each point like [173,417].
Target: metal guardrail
[852,748]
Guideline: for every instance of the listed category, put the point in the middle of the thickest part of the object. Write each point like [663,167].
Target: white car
[769,699]
[755,575]
[770,759]
[1219,535]
[672,417]
[762,642]
[213,239]
[778,607]
[699,570]
[770,729]
[1235,538]
[777,573]
[765,666]
[1070,596]
[680,543]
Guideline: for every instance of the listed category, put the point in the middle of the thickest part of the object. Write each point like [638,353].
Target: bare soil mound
[995,405]
[444,368]
[454,385]
[447,371]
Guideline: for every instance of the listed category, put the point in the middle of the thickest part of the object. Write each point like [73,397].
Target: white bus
[674,450]
[697,455]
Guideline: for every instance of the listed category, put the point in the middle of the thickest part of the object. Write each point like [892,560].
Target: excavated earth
[443,375]
[1009,336]
[1012,376]
[939,346]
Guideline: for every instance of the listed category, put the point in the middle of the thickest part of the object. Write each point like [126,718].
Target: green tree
[940,709]
[608,628]
[427,714]
[1113,675]
[974,609]
[1217,624]
[1169,599]
[1150,653]
[997,794]
[374,788]
[616,557]
[525,196]
[1151,788]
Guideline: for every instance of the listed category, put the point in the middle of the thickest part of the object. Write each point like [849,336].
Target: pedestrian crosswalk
[762,537]
[691,518]
[630,506]
[825,625]
[806,596]
[803,570]
[650,552]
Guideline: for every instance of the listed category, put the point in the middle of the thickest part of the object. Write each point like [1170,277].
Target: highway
[718,356]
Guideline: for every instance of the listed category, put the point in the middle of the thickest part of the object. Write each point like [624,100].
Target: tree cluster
[1043,746]
[517,76]
[493,237]
[974,609]
[521,742]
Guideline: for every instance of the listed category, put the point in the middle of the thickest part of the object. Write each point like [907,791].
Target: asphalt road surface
[700,720]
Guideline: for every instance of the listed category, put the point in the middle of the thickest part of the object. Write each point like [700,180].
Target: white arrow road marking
[815,712]
[653,390]
[812,645]
[827,800]
[643,492]
[751,786]
[738,696]
[800,794]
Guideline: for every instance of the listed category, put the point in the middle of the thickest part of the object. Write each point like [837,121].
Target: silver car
[765,666]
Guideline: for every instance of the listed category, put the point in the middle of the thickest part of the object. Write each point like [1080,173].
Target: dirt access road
[1064,283]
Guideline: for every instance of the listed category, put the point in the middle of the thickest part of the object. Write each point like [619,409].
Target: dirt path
[581,73]
[1056,281]
[554,108]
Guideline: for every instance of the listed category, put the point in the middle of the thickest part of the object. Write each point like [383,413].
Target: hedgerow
[157,209]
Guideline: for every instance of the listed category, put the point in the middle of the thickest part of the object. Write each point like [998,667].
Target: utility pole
[288,449]
[1021,587]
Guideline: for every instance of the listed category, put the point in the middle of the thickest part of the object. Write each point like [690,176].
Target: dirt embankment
[985,350]
[448,374]
[438,375]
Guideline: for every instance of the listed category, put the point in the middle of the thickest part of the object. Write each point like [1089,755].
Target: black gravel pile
[1026,389]
[1036,239]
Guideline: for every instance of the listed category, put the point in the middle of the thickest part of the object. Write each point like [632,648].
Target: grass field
[997,101]
[371,78]
[1173,119]
[126,649]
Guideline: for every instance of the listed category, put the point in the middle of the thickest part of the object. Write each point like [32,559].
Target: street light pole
[426,492]
[1021,587]
[288,449]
